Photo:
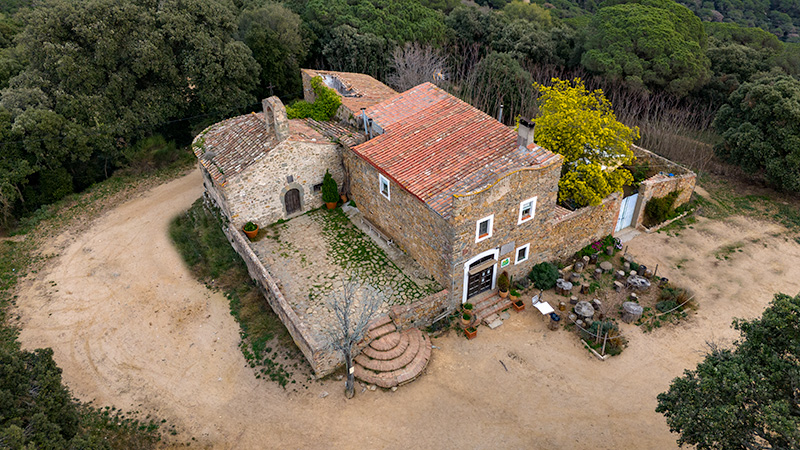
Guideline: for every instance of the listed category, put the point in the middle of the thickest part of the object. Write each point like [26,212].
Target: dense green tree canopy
[745,397]
[760,128]
[279,42]
[100,74]
[656,44]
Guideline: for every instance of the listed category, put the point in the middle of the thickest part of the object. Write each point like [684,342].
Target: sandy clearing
[130,326]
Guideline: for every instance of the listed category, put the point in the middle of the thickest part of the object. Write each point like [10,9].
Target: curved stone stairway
[392,358]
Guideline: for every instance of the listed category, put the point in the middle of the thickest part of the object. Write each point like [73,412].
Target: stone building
[463,194]
[265,167]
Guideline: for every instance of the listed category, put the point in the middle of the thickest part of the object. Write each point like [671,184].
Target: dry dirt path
[130,327]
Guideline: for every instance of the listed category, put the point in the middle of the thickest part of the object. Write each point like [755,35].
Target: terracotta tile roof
[435,146]
[236,143]
[365,91]
[338,132]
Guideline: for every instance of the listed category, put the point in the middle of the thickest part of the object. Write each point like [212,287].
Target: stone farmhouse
[464,195]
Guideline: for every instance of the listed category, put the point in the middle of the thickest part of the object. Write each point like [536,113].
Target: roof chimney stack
[500,114]
[525,133]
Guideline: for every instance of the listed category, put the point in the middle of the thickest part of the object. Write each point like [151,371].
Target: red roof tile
[436,146]
[229,147]
[364,90]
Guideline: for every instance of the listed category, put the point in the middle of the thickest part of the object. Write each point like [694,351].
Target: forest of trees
[83,83]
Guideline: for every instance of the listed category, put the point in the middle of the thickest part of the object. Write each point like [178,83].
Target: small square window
[317,188]
[383,186]
[522,253]
[527,209]
[483,230]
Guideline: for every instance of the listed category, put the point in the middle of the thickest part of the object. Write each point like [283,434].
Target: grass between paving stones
[106,427]
[266,344]
[360,257]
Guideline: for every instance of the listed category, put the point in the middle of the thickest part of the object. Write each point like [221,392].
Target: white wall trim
[381,180]
[520,219]
[494,252]
[527,248]
[478,237]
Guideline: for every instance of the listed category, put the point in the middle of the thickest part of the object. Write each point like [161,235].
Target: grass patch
[266,344]
[724,252]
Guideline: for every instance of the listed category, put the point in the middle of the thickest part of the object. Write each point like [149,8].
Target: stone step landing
[492,304]
[392,358]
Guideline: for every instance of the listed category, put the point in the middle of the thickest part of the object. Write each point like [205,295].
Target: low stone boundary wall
[420,314]
[660,185]
[322,359]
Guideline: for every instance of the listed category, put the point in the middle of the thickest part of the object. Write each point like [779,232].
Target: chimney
[364,121]
[525,133]
[500,114]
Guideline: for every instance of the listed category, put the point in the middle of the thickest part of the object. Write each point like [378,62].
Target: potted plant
[513,295]
[468,308]
[518,305]
[466,318]
[503,283]
[330,191]
[251,230]
[471,332]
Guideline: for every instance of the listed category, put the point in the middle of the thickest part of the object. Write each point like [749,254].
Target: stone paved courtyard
[309,255]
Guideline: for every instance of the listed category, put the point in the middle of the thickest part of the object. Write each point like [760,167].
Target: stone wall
[414,227]
[582,227]
[257,194]
[420,314]
[216,194]
[322,359]
[503,201]
[662,183]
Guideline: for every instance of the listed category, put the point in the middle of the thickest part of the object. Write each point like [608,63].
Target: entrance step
[394,359]
[491,305]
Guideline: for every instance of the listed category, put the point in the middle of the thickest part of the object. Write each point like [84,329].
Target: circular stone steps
[394,358]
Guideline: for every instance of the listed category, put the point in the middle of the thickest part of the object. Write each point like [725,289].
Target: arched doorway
[479,274]
[292,201]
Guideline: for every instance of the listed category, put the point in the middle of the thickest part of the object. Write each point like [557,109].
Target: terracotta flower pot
[518,306]
[513,298]
[502,294]
[251,234]
[330,205]
[471,332]
[465,322]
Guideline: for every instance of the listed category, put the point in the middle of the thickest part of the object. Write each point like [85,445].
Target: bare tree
[415,64]
[353,307]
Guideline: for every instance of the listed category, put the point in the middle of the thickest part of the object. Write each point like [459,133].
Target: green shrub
[330,191]
[503,283]
[250,226]
[544,275]
[466,316]
[658,209]
[324,107]
[666,305]
[468,306]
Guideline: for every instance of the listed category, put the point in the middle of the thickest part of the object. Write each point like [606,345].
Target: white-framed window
[483,229]
[522,253]
[383,186]
[526,210]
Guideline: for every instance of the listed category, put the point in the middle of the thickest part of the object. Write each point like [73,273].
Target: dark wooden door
[292,201]
[480,281]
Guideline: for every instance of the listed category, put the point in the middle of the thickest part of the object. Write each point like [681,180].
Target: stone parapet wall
[420,314]
[581,227]
[414,227]
[661,184]
[323,360]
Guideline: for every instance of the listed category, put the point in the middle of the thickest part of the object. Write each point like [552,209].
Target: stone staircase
[488,304]
[392,358]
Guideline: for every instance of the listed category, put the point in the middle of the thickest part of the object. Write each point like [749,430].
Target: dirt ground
[131,328]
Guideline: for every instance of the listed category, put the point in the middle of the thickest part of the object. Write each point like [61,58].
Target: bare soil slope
[131,328]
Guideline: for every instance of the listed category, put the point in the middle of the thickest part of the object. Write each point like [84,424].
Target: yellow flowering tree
[580,125]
